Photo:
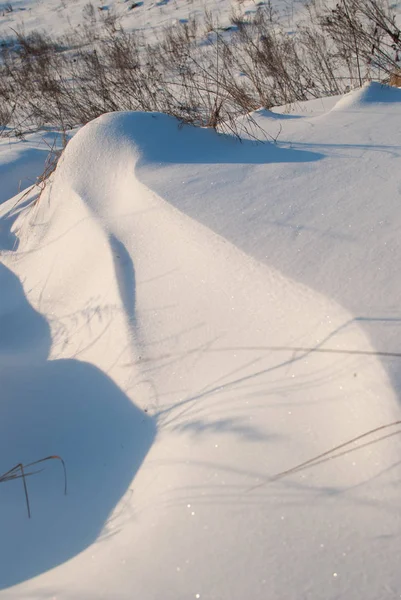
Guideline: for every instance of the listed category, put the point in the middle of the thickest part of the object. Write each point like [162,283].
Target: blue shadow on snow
[64,407]
[162,139]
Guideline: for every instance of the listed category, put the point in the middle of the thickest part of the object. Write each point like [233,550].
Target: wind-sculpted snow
[183,317]
[372,94]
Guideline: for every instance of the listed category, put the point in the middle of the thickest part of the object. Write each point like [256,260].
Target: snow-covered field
[182,318]
[60,17]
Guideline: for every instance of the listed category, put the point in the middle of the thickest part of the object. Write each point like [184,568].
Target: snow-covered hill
[182,318]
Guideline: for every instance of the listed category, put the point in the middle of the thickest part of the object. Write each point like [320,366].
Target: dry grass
[195,71]
[21,471]
[395,78]
[352,445]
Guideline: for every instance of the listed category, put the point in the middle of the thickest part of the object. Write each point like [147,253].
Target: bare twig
[18,472]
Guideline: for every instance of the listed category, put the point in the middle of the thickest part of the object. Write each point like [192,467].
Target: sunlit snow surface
[182,318]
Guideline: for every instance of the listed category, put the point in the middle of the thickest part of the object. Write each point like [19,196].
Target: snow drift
[186,316]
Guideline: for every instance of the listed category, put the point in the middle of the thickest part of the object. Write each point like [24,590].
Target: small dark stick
[13,474]
[25,490]
[53,457]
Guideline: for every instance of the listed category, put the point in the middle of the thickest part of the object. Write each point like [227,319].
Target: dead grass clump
[395,78]
[196,71]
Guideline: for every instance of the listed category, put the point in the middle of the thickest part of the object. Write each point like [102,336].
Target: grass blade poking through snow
[18,472]
[329,454]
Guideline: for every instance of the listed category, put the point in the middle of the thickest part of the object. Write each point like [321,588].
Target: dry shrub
[395,78]
[197,71]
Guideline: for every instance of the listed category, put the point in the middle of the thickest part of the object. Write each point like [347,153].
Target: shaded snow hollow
[182,317]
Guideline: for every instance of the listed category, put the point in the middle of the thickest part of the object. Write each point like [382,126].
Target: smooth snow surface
[182,317]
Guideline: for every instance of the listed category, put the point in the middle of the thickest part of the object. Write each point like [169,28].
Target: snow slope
[183,317]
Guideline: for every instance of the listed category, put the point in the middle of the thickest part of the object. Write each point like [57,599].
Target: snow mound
[370,93]
[159,139]
[149,341]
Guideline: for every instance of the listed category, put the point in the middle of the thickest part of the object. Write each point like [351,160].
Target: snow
[183,317]
[61,17]
[23,161]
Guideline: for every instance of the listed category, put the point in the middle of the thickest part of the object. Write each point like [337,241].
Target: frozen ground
[183,317]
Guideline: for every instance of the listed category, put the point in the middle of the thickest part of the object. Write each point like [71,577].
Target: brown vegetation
[197,71]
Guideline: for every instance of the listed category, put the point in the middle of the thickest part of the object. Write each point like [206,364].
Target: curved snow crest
[158,138]
[148,239]
[369,94]
[100,164]
[116,138]
[138,237]
[100,167]
[214,347]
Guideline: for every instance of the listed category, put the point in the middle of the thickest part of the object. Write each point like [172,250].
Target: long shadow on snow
[286,231]
[125,276]
[64,407]
[335,149]
[156,135]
